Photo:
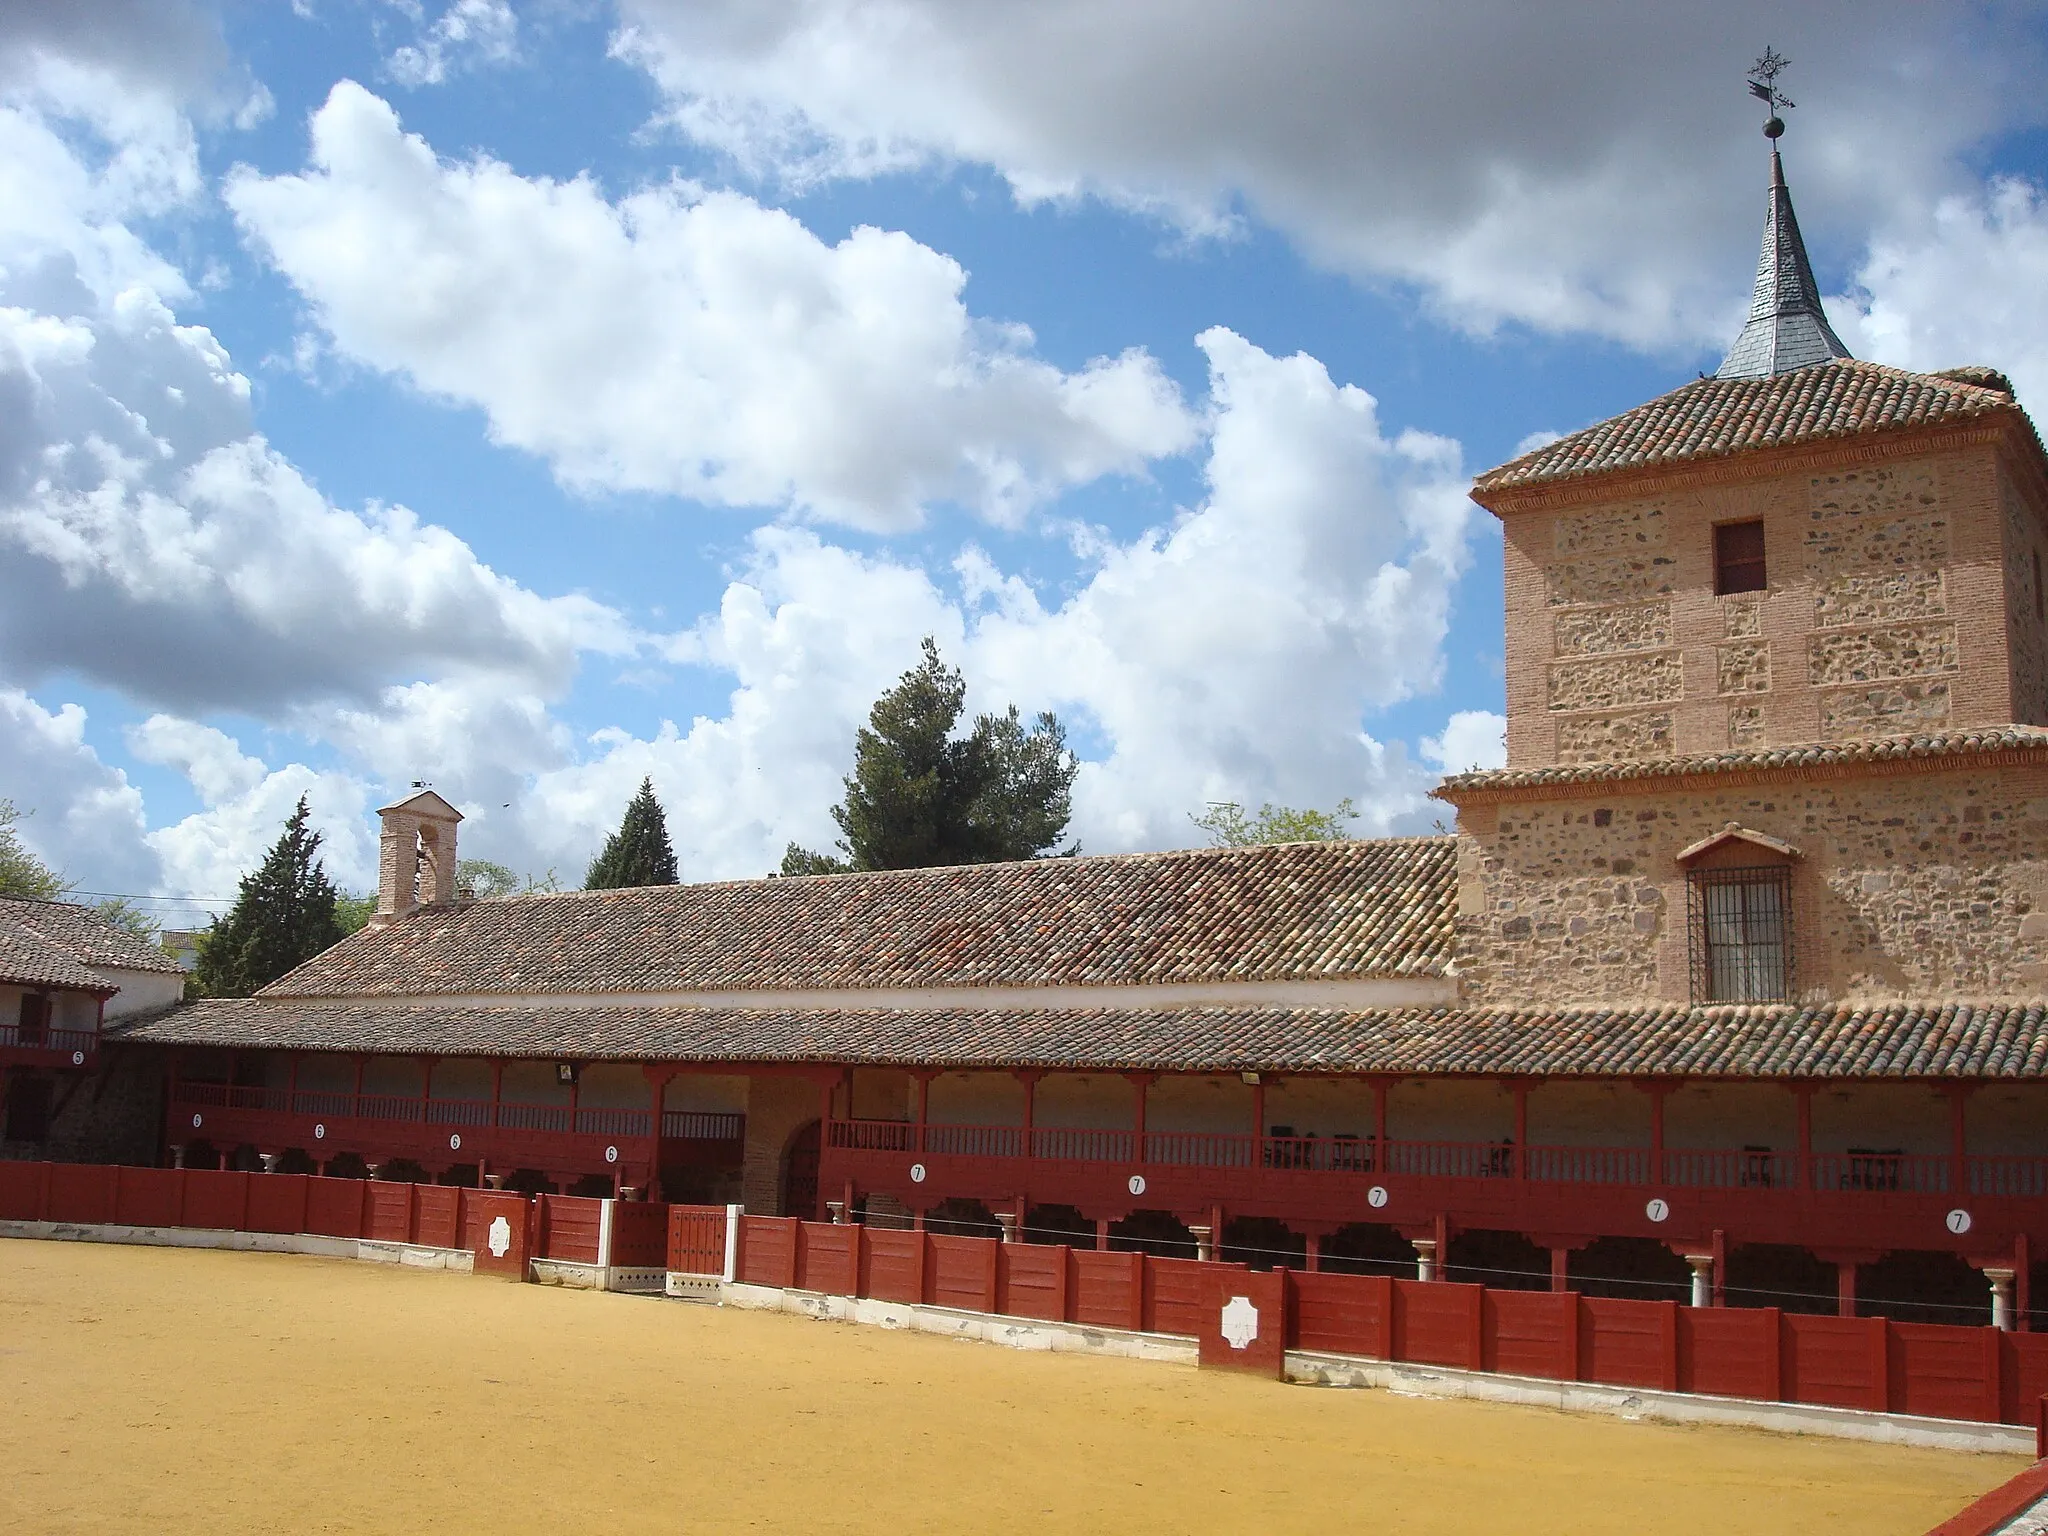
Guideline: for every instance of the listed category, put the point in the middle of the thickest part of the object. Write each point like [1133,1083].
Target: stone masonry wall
[777,1108]
[1900,600]
[1925,885]
[113,1115]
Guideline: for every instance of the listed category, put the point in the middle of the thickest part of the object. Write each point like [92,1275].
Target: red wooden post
[426,1085]
[1379,1125]
[1560,1269]
[1521,1091]
[1314,1258]
[1657,1093]
[2022,1292]
[1258,1118]
[291,1085]
[497,1088]
[1804,1093]
[355,1102]
[1102,1234]
[1845,1287]
[1142,1082]
[1719,1249]
[1030,1080]
[924,1102]
[1959,1149]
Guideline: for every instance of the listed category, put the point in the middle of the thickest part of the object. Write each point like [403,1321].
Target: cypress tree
[284,915]
[639,852]
[919,796]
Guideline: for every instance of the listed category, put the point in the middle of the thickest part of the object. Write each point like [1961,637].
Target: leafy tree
[484,880]
[126,915]
[921,796]
[639,852]
[284,914]
[354,911]
[1229,827]
[23,876]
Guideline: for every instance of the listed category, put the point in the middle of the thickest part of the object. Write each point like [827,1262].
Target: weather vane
[1763,85]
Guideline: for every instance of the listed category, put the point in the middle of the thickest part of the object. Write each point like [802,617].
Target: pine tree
[918,796]
[284,915]
[639,852]
[23,876]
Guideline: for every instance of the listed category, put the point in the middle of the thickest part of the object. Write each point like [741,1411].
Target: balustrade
[40,1037]
[326,1104]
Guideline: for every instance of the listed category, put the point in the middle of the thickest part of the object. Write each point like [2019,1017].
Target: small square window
[1739,558]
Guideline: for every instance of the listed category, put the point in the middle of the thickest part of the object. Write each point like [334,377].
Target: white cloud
[1472,738]
[1574,168]
[689,342]
[81,816]
[467,34]
[1963,287]
[210,760]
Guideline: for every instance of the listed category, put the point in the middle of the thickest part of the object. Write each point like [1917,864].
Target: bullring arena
[226,1392]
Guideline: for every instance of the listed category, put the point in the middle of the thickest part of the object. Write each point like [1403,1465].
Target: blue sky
[526,398]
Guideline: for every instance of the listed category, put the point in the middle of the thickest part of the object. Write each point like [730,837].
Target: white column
[732,1242]
[1007,1222]
[2001,1298]
[1702,1278]
[270,1160]
[1204,1249]
[1425,1257]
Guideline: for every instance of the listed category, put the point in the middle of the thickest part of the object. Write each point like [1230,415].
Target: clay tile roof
[1714,418]
[78,938]
[1839,1040]
[1297,911]
[27,959]
[1886,749]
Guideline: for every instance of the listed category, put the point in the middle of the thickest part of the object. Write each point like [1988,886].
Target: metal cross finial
[1763,85]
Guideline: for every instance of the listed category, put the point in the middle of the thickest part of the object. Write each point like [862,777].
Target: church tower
[1777,663]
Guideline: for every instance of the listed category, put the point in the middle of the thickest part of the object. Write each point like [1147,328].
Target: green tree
[283,915]
[484,880]
[353,911]
[1229,826]
[919,795]
[639,852]
[126,915]
[23,876]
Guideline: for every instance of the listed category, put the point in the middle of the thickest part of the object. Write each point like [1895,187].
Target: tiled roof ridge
[1933,1039]
[1712,418]
[926,871]
[2000,738]
[28,958]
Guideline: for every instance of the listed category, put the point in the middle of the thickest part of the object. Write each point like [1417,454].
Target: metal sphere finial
[1774,128]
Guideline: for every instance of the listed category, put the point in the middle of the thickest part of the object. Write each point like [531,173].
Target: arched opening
[346,1165]
[530,1181]
[1058,1224]
[1367,1248]
[1631,1269]
[1918,1286]
[295,1160]
[594,1186]
[461,1176]
[1507,1261]
[800,1173]
[1263,1243]
[1159,1233]
[202,1155]
[962,1218]
[403,1170]
[1778,1275]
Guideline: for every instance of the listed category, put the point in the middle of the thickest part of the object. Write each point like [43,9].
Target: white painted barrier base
[949,1322]
[415,1255]
[598,1277]
[1323,1370]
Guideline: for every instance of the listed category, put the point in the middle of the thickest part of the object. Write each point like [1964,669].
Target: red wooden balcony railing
[1744,1168]
[43,1038]
[327,1104]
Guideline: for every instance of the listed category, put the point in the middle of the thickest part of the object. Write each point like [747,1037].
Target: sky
[529,398]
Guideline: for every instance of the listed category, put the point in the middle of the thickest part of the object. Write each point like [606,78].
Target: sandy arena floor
[157,1390]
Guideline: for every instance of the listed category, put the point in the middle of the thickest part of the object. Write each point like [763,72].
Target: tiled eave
[1935,1041]
[1710,467]
[2012,746]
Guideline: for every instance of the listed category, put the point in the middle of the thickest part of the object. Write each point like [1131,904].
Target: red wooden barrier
[696,1239]
[1242,1318]
[82,1192]
[828,1258]
[334,1207]
[2000,1506]
[569,1228]
[962,1273]
[1107,1290]
[437,1222]
[1176,1295]
[387,1214]
[277,1203]
[1438,1323]
[768,1250]
[218,1199]
[1628,1343]
[148,1197]
[494,1229]
[1530,1333]
[640,1234]
[1729,1351]
[1840,1361]
[1031,1281]
[1344,1314]
[892,1265]
[21,1190]
[2023,1376]
[1943,1372]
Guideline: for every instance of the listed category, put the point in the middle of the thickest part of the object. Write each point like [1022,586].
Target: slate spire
[1786,328]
